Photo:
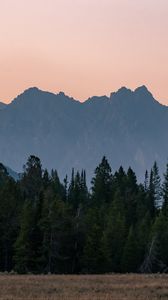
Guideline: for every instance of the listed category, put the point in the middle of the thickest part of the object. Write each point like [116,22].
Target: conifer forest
[53,227]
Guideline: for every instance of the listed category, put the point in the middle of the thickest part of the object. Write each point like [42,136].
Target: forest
[51,227]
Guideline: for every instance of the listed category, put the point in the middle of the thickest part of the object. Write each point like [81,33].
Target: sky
[83,47]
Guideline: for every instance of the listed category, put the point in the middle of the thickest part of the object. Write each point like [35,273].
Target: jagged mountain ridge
[129,127]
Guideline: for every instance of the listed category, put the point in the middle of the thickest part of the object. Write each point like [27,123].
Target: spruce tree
[102,183]
[165,192]
[114,238]
[10,209]
[130,256]
[155,186]
[31,181]
[146,181]
[93,260]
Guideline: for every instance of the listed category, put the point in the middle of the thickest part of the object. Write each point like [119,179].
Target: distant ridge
[2,105]
[12,173]
[140,91]
[129,127]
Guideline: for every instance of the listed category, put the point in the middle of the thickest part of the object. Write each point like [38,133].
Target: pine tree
[29,241]
[165,192]
[114,239]
[31,181]
[119,181]
[131,192]
[53,224]
[102,183]
[146,181]
[155,187]
[130,256]
[77,192]
[150,197]
[93,260]
[131,181]
[46,179]
[160,235]
[10,209]
[65,185]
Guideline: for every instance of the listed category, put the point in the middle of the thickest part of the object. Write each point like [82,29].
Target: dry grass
[84,287]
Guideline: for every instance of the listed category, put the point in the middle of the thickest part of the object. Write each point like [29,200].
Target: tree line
[49,226]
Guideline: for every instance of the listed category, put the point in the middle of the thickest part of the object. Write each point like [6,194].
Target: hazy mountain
[12,173]
[2,105]
[129,127]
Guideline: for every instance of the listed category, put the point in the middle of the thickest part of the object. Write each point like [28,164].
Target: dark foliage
[51,227]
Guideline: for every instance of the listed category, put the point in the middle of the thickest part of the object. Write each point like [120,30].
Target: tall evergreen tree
[93,253]
[114,237]
[146,181]
[130,256]
[10,210]
[165,192]
[102,183]
[131,191]
[29,241]
[155,186]
[31,181]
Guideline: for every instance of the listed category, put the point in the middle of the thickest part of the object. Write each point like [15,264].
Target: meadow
[83,287]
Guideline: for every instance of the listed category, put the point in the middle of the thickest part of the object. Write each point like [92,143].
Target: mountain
[12,173]
[129,127]
[2,105]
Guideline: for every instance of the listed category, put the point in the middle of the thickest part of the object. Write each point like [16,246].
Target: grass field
[83,287]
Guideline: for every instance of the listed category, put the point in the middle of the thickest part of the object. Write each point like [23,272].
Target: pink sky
[83,47]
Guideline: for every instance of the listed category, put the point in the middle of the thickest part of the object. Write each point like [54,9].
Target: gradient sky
[83,47]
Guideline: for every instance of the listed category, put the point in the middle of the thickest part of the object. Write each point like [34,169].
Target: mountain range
[129,127]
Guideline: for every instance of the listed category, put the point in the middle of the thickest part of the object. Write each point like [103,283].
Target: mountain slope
[12,173]
[129,127]
[2,105]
